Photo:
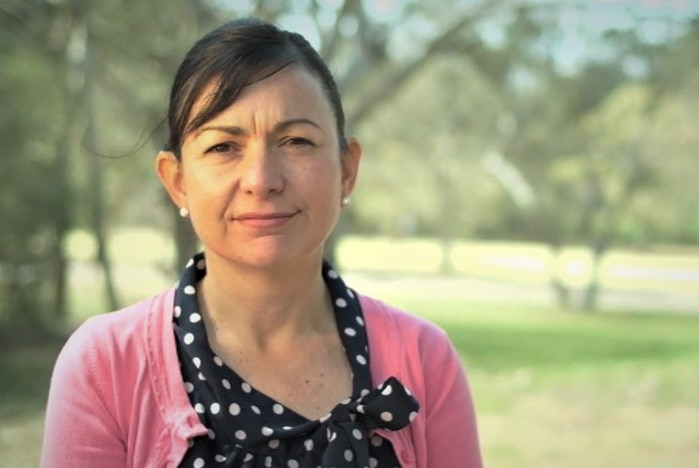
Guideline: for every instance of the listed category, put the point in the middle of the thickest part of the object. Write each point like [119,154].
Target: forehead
[291,90]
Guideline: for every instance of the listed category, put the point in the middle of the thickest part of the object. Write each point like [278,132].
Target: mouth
[264,220]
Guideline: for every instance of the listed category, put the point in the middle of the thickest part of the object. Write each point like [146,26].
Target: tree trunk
[62,219]
[97,218]
[186,242]
[590,298]
[561,292]
[95,183]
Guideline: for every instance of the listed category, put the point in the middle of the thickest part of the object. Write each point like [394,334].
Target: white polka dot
[412,416]
[199,408]
[215,408]
[277,408]
[274,443]
[178,311]
[189,290]
[189,388]
[387,391]
[189,263]
[324,418]
[197,362]
[195,318]
[198,463]
[201,376]
[350,331]
[376,441]
[292,464]
[309,444]
[211,434]
[340,302]
[360,409]
[240,435]
[220,458]
[255,409]
[373,463]
[360,321]
[234,409]
[386,416]
[248,457]
[201,264]
[361,359]
[349,456]
[268,462]
[188,338]
[350,293]
[357,434]
[246,387]
[364,392]
[218,361]
[331,435]
[333,274]
[226,384]
[267,431]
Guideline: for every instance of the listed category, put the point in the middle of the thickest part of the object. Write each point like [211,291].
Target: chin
[270,258]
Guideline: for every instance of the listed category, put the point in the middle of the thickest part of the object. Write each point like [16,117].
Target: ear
[169,170]
[350,166]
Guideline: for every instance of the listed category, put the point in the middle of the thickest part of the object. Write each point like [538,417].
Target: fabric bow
[390,406]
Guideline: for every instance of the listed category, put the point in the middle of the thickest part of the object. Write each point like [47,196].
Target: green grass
[553,388]
[505,337]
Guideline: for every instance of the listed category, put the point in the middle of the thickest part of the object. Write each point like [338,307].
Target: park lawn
[555,388]
[551,388]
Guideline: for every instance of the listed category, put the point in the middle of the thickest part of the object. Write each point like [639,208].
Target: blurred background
[529,182]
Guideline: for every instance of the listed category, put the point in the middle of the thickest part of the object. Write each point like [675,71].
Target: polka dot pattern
[246,428]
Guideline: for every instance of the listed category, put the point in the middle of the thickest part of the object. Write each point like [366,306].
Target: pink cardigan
[117,398]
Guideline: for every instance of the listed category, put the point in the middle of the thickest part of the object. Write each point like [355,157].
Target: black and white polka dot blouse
[248,429]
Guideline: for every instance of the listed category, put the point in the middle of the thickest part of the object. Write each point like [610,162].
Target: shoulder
[385,318]
[117,332]
[403,344]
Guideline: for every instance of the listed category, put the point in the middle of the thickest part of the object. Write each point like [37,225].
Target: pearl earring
[184,212]
[345,201]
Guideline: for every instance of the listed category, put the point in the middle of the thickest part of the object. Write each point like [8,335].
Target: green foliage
[472,128]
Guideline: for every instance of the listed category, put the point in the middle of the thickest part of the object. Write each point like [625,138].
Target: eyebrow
[278,127]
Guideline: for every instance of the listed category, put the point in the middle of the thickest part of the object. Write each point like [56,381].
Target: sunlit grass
[552,388]
[527,263]
[513,262]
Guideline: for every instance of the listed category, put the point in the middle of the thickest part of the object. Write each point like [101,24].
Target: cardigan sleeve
[450,426]
[81,429]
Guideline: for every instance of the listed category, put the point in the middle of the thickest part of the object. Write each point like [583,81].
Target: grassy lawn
[552,388]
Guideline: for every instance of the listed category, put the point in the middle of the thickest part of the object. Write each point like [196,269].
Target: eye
[221,148]
[298,142]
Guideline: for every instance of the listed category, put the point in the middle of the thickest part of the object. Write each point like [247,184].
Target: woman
[260,356]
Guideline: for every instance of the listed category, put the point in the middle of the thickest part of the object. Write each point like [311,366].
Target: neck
[261,306]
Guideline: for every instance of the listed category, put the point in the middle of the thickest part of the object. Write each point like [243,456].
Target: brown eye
[221,148]
[298,142]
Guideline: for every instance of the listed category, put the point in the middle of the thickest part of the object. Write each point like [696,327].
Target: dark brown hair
[231,57]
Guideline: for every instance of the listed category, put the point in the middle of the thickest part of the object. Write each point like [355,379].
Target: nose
[262,172]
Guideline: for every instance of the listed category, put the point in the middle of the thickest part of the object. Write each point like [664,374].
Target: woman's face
[264,179]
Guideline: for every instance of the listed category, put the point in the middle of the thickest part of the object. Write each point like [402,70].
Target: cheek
[324,181]
[207,188]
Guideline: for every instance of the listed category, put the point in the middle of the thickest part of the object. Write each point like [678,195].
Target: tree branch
[393,82]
